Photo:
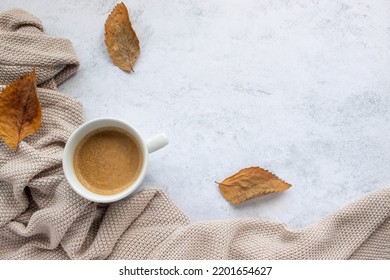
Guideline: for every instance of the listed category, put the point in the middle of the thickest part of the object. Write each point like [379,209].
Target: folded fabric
[42,218]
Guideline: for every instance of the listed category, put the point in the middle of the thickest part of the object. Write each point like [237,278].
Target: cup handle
[157,142]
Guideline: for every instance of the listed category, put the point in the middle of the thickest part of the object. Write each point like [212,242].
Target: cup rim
[74,140]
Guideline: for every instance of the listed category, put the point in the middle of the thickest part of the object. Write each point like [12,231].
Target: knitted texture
[42,218]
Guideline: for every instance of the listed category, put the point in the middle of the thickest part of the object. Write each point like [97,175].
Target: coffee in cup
[108,160]
[105,160]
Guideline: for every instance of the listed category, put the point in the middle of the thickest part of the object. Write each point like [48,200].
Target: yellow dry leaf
[121,41]
[20,110]
[250,183]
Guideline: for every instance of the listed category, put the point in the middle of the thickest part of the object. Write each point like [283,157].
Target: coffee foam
[108,160]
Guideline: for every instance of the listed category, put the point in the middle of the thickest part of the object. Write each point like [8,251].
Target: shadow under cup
[70,149]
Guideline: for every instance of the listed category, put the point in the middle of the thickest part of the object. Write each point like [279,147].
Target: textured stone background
[298,87]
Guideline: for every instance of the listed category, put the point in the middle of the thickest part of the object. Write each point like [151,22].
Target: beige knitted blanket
[42,218]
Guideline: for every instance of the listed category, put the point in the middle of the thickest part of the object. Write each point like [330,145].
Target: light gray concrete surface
[298,87]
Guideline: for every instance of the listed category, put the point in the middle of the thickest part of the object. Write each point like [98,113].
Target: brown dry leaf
[250,183]
[121,41]
[20,110]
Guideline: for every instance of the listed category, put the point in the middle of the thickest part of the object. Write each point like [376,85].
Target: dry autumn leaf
[20,111]
[121,41]
[250,183]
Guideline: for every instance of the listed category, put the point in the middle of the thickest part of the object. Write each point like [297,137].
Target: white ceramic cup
[149,146]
